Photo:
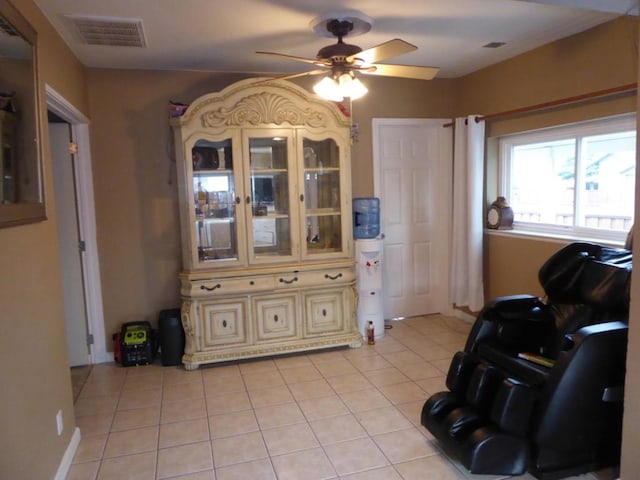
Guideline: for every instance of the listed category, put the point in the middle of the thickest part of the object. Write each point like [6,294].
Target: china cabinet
[265,210]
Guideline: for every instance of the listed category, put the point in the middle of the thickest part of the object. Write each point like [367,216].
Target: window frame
[577,131]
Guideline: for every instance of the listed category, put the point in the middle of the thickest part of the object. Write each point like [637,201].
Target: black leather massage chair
[539,384]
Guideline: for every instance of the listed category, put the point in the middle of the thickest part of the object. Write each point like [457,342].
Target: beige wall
[35,374]
[598,59]
[508,264]
[134,174]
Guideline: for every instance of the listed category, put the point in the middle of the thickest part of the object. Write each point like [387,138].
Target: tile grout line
[206,418]
[157,462]
[260,429]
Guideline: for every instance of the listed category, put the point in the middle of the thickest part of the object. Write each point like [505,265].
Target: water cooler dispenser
[366,229]
[369,285]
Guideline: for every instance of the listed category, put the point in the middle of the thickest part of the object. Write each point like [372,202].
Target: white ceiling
[223,35]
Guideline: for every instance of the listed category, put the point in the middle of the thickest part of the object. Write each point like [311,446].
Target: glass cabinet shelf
[268,170]
[200,218]
[207,173]
[271,215]
[321,170]
[318,212]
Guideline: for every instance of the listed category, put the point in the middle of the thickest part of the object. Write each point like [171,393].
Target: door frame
[444,171]
[86,221]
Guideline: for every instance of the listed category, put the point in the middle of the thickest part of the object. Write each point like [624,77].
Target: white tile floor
[340,414]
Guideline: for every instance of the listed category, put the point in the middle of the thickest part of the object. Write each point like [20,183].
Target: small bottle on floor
[371,339]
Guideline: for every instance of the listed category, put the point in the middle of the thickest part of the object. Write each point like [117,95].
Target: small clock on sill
[500,215]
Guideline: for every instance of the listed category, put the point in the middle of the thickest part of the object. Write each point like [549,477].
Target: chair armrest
[520,322]
[613,328]
[584,383]
[511,302]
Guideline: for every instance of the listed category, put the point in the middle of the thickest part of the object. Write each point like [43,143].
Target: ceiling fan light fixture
[336,89]
[351,86]
[328,89]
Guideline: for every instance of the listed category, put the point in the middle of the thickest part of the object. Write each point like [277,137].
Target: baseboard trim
[106,357]
[462,315]
[67,458]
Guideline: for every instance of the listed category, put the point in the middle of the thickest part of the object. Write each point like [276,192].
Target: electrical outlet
[59,422]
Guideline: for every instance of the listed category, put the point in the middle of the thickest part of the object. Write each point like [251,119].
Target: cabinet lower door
[325,311]
[224,322]
[276,317]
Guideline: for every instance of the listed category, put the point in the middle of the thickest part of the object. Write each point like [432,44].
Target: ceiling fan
[343,60]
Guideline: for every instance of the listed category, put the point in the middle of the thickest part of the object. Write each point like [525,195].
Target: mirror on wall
[21,191]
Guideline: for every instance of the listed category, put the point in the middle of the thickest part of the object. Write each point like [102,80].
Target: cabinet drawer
[324,312]
[326,278]
[231,286]
[224,323]
[275,317]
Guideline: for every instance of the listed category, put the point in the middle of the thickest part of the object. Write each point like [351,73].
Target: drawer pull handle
[210,289]
[330,277]
[324,312]
[224,323]
[294,279]
[302,197]
[251,282]
[275,318]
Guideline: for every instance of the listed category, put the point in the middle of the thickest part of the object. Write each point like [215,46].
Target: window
[576,180]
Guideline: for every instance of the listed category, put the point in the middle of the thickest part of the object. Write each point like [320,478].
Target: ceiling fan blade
[287,77]
[403,71]
[291,57]
[303,74]
[389,49]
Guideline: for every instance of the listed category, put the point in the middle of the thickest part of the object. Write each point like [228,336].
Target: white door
[87,225]
[69,244]
[412,177]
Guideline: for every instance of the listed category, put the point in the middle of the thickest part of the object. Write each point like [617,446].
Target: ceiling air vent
[115,32]
[494,45]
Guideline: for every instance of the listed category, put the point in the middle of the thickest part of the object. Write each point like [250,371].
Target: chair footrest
[489,451]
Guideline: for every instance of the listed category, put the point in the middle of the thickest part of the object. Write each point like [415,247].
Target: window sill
[554,237]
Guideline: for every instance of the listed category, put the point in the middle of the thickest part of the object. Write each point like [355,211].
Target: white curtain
[467,287]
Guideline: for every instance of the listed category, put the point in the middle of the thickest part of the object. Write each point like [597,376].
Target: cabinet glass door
[7,160]
[214,201]
[270,195]
[322,196]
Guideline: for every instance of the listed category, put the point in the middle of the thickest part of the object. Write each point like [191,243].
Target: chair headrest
[588,273]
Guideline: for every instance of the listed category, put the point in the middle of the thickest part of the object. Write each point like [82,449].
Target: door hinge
[90,339]
[73,148]
[82,246]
